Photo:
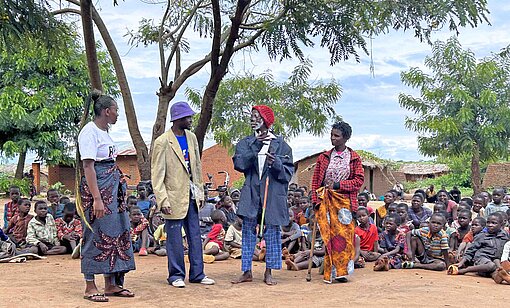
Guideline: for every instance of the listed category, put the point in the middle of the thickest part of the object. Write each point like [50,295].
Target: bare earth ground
[57,282]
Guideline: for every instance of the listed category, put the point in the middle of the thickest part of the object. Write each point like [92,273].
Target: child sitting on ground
[160,239]
[214,242]
[18,225]
[69,230]
[477,226]
[55,208]
[228,208]
[42,233]
[497,204]
[11,207]
[483,256]
[299,261]
[368,235]
[290,235]
[478,203]
[429,245]
[139,231]
[143,202]
[391,245]
[234,239]
[382,211]
[131,201]
[418,213]
[456,238]
[504,269]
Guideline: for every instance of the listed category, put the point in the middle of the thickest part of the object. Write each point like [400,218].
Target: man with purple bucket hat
[176,173]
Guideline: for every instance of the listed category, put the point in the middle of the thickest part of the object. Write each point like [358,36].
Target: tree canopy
[463,107]
[41,95]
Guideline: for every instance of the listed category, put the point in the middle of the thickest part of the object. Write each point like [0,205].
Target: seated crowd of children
[471,236]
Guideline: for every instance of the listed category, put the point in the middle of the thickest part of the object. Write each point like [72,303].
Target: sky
[369,103]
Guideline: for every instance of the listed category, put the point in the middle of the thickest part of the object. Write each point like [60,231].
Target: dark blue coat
[280,173]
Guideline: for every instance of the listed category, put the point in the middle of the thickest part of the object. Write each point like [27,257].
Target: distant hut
[417,172]
[497,175]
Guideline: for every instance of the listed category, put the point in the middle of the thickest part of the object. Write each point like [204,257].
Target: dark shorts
[484,261]
[426,259]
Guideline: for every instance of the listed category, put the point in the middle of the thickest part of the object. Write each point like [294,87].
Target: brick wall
[62,174]
[129,166]
[216,159]
[497,175]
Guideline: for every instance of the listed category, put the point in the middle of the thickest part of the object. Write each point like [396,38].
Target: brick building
[216,159]
[497,175]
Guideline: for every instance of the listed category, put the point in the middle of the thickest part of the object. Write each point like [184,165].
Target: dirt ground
[57,282]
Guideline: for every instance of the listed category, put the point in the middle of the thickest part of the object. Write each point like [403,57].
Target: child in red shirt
[139,231]
[213,244]
[17,228]
[11,207]
[69,230]
[368,235]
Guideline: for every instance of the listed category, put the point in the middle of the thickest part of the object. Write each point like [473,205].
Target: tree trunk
[476,178]
[21,164]
[165,94]
[90,44]
[142,153]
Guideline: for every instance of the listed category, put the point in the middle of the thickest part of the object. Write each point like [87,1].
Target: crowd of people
[329,226]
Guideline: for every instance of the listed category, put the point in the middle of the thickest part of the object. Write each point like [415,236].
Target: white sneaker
[178,283]
[207,281]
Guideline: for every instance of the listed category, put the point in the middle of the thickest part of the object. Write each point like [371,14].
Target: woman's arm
[90,176]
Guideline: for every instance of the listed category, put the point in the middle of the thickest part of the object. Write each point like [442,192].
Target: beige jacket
[170,177]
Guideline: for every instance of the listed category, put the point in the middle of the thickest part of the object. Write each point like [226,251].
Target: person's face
[292,187]
[112,113]
[239,222]
[132,202]
[52,197]
[401,211]
[136,216]
[363,217]
[464,205]
[41,211]
[493,224]
[256,121]
[476,227]
[14,194]
[477,204]
[416,204]
[64,200]
[392,209]
[24,207]
[142,191]
[227,202]
[184,123]
[506,199]
[442,197]
[497,196]
[303,203]
[388,198]
[436,223]
[222,193]
[297,196]
[439,207]
[390,225]
[236,197]
[362,201]
[337,138]
[463,220]
[486,198]
[68,216]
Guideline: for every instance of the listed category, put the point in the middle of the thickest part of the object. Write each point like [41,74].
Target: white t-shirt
[96,143]
[262,154]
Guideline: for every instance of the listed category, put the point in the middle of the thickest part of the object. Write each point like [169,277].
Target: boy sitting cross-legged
[42,233]
[429,245]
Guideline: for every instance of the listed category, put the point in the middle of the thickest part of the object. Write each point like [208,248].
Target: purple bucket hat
[180,110]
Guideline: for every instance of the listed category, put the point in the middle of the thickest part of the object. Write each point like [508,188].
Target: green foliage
[42,92]
[7,181]
[61,188]
[239,183]
[448,181]
[463,106]
[299,106]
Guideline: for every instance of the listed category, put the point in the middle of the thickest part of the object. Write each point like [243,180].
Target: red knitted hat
[266,113]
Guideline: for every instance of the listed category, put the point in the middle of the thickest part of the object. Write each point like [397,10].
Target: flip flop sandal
[408,264]
[121,293]
[453,270]
[97,298]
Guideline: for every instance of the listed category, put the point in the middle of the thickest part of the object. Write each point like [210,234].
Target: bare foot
[291,265]
[245,277]
[268,278]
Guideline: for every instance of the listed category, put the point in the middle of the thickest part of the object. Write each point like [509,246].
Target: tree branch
[163,67]
[216,43]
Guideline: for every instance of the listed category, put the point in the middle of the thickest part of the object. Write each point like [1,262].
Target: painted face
[256,121]
[493,224]
[476,227]
[337,138]
[52,197]
[388,198]
[436,223]
[390,225]
[463,219]
[41,211]
[362,201]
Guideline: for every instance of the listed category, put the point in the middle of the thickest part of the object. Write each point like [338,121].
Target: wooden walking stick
[312,246]
[261,233]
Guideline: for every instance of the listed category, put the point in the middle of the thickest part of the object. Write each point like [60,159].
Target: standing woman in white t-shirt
[106,244]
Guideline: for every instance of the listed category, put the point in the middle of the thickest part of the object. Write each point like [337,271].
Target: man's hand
[263,136]
[270,158]
[166,210]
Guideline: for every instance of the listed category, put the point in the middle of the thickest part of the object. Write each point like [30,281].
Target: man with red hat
[176,173]
[263,157]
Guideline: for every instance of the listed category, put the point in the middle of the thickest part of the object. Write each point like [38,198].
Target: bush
[7,181]
[448,181]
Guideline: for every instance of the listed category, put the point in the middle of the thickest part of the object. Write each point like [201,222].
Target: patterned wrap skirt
[336,226]
[106,249]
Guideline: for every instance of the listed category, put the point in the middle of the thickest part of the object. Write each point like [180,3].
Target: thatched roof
[369,163]
[420,169]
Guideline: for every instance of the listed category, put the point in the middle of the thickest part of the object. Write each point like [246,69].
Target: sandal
[408,264]
[121,293]
[453,269]
[503,274]
[97,298]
